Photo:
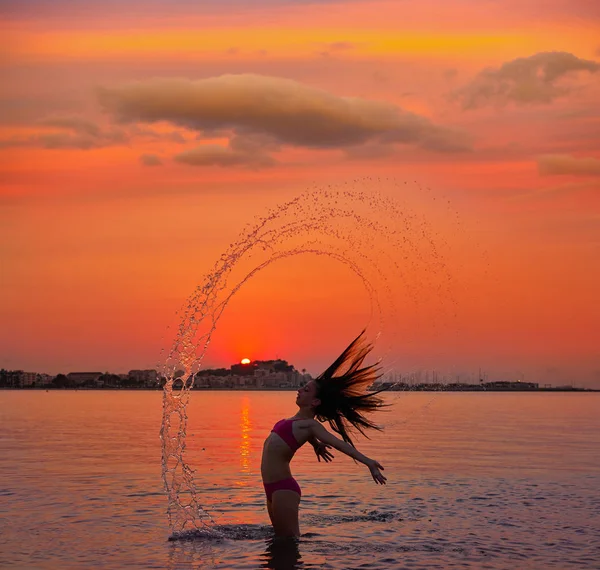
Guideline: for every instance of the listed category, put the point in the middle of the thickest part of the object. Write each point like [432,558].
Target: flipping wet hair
[342,389]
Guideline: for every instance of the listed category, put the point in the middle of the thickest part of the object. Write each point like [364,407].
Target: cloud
[150,134]
[241,151]
[336,47]
[25,109]
[553,164]
[79,133]
[341,46]
[150,160]
[526,80]
[75,124]
[281,111]
[138,8]
[450,73]
[73,133]
[368,151]
[551,192]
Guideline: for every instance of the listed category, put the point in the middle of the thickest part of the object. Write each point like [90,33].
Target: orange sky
[138,138]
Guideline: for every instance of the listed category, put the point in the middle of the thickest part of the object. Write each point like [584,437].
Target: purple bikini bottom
[288,484]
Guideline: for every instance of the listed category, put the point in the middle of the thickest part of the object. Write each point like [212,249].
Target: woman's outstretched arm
[319,432]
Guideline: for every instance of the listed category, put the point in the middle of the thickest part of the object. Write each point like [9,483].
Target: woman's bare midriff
[276,457]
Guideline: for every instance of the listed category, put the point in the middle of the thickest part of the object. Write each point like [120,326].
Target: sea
[475,480]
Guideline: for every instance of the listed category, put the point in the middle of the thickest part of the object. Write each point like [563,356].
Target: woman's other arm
[320,433]
[321,449]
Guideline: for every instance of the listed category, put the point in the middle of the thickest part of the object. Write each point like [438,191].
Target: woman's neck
[305,413]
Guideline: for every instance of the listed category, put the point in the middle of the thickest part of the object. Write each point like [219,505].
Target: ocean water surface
[475,480]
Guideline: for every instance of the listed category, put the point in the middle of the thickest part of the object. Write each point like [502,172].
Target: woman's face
[307,395]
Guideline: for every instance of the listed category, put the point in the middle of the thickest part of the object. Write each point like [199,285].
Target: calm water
[475,481]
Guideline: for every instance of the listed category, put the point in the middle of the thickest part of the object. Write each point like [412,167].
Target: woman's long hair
[342,390]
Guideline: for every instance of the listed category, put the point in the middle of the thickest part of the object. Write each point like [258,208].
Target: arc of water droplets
[324,222]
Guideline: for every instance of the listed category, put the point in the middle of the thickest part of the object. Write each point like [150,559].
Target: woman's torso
[277,453]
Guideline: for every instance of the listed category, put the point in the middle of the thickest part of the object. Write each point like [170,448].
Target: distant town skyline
[150,378]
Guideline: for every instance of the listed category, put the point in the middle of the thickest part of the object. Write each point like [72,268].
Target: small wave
[372,516]
[374,547]
[225,532]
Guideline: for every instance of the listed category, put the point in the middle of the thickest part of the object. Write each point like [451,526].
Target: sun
[245,361]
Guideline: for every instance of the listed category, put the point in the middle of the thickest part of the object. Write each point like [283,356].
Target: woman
[339,396]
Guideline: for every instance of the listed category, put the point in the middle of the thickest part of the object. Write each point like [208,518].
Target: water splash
[383,241]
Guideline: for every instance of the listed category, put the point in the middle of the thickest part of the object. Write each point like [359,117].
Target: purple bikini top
[283,428]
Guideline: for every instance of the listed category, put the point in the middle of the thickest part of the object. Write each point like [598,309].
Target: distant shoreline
[421,388]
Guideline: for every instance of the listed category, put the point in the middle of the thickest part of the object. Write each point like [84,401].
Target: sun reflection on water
[246,427]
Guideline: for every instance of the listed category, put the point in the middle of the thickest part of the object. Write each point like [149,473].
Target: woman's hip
[287,484]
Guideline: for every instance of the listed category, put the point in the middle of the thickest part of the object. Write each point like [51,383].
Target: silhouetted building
[83,378]
[143,377]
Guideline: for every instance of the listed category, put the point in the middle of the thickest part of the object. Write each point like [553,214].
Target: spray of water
[382,240]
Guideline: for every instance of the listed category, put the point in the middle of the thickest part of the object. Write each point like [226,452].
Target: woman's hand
[375,468]
[322,450]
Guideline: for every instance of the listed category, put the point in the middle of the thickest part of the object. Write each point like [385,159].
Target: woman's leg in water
[284,512]
[270,511]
